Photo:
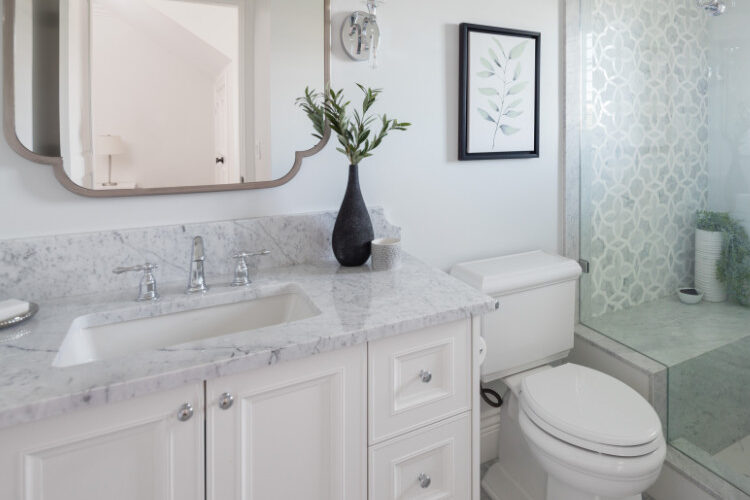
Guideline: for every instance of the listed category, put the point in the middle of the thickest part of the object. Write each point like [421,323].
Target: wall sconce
[360,34]
[713,7]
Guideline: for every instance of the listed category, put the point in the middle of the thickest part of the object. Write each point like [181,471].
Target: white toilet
[566,432]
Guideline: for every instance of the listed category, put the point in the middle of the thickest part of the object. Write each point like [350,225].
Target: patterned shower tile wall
[643,148]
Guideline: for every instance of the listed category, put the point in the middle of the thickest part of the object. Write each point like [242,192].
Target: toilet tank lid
[515,273]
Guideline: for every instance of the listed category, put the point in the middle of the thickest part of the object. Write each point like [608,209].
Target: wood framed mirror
[145,97]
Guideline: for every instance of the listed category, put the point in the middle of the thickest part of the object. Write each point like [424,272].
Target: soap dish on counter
[15,320]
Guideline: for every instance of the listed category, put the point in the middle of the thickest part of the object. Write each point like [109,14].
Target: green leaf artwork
[504,77]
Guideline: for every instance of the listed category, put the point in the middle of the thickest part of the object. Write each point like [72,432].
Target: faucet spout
[197,278]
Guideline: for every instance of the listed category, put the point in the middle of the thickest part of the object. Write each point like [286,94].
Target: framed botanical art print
[498,93]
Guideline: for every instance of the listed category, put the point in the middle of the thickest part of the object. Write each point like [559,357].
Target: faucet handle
[241,274]
[147,288]
[143,267]
[245,254]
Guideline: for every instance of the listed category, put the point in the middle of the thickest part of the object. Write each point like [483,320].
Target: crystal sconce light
[360,34]
[713,7]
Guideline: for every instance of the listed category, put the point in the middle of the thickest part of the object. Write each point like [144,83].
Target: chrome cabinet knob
[425,376]
[424,480]
[185,412]
[226,401]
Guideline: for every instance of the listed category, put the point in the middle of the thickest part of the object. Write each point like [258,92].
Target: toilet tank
[534,323]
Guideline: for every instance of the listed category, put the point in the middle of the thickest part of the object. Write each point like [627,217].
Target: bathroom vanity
[359,384]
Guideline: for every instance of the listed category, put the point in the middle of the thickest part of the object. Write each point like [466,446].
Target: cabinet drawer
[432,463]
[418,378]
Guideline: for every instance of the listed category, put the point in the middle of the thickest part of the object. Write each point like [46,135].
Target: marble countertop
[356,305]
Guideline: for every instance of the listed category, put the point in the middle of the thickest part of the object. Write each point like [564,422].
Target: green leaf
[495,59]
[516,52]
[508,130]
[500,46]
[517,71]
[494,106]
[486,63]
[354,131]
[485,74]
[488,91]
[515,103]
[513,114]
[485,115]
[515,89]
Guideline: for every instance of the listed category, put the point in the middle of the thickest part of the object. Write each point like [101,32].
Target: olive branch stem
[357,133]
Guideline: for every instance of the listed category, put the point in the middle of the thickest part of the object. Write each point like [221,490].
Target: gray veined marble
[356,305]
[90,257]
[672,332]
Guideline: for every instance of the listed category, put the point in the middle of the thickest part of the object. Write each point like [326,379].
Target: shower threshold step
[670,332]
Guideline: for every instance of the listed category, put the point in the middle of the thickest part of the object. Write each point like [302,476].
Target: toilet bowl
[566,432]
[594,436]
[590,437]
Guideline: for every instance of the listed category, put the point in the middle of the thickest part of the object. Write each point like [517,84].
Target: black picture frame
[464,82]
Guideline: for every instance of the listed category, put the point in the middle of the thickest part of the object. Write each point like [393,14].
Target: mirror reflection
[170,93]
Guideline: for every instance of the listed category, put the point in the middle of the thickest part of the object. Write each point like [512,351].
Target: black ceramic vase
[353,232]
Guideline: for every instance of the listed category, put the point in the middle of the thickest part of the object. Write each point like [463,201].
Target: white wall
[75,101]
[287,81]
[449,210]
[23,75]
[129,66]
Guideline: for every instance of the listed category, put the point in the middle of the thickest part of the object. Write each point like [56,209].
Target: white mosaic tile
[643,148]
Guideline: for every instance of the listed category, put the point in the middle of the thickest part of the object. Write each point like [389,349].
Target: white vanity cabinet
[388,420]
[295,430]
[147,448]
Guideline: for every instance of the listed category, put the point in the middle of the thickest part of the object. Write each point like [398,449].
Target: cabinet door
[135,449]
[296,430]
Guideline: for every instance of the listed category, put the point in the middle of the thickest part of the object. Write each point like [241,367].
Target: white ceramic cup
[386,254]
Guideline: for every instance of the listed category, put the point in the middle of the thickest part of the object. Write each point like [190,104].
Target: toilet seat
[591,410]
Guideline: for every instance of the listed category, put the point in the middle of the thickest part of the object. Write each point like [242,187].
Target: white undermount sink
[86,342]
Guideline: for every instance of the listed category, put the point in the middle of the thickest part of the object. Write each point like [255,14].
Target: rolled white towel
[12,307]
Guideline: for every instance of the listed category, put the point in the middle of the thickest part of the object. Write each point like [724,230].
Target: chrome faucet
[147,287]
[241,272]
[197,278]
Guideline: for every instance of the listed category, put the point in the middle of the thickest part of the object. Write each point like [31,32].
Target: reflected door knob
[185,412]
[425,376]
[225,401]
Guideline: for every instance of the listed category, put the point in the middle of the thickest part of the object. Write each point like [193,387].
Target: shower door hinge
[584,265]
